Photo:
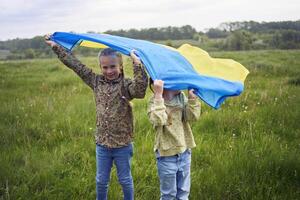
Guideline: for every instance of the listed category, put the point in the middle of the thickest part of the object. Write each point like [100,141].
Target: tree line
[245,35]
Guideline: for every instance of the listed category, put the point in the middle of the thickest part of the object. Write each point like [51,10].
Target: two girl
[169,111]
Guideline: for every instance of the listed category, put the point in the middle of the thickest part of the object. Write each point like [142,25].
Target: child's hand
[135,59]
[158,86]
[48,41]
[192,94]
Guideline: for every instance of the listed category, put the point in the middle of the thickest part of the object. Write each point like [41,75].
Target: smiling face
[110,66]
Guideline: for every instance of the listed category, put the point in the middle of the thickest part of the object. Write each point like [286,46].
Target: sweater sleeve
[193,110]
[157,112]
[85,73]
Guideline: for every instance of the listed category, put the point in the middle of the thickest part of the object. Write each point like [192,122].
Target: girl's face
[110,66]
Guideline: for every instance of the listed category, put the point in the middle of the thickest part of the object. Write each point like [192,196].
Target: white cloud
[20,18]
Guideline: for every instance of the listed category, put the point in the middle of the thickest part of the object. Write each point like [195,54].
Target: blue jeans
[122,159]
[174,175]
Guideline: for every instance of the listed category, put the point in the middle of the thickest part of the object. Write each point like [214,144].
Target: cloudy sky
[28,18]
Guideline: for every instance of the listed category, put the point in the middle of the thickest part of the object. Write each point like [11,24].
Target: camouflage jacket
[114,117]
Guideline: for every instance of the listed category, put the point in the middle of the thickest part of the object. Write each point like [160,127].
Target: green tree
[216,33]
[239,40]
[29,53]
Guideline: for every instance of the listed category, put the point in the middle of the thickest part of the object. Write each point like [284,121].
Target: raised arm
[137,87]
[157,109]
[193,108]
[85,73]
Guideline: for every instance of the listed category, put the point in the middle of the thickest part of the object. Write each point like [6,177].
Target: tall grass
[249,149]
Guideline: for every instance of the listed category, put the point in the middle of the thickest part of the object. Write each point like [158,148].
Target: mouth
[111,76]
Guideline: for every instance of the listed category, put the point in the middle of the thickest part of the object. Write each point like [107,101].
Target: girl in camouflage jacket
[114,119]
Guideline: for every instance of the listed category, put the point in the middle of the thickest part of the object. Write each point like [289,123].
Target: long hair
[150,84]
[112,52]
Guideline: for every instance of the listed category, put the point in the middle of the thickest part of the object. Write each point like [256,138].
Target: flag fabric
[187,67]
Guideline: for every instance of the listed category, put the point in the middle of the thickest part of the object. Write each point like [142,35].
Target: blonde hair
[112,52]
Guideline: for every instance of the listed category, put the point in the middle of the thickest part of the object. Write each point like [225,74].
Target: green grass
[249,149]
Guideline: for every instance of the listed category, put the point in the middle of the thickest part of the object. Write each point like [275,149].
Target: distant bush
[239,40]
[216,33]
[29,53]
[286,39]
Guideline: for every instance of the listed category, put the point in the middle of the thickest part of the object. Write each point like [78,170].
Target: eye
[112,66]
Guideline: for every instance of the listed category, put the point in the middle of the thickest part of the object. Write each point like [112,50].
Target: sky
[29,18]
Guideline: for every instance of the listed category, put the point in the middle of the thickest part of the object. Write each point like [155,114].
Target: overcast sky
[28,18]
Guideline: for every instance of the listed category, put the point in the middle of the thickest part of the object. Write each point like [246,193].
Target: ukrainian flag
[187,67]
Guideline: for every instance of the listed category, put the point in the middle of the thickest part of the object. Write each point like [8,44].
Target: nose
[110,71]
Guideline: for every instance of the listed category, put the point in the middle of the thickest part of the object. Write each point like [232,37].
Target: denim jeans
[174,175]
[122,159]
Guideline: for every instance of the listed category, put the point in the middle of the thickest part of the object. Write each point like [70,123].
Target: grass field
[248,149]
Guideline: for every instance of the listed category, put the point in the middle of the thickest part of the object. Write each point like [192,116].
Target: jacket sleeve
[136,88]
[85,73]
[157,112]
[193,110]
